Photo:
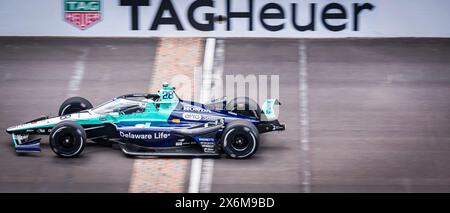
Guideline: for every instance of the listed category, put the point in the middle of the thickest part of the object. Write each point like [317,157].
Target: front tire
[73,105]
[240,139]
[67,139]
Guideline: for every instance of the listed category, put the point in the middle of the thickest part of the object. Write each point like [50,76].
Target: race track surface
[378,116]
[366,115]
[36,76]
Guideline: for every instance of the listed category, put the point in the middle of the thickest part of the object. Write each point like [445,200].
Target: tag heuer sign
[82,13]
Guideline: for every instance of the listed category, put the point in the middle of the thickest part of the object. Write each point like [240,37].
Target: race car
[153,124]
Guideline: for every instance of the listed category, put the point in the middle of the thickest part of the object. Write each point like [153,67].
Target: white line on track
[215,91]
[208,65]
[77,77]
[206,175]
[304,118]
[196,170]
[217,74]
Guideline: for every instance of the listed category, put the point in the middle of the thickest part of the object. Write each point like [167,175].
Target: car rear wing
[268,111]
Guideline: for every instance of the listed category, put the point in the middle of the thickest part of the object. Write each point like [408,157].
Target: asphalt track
[378,116]
[36,76]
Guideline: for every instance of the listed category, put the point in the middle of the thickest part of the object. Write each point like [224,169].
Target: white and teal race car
[158,124]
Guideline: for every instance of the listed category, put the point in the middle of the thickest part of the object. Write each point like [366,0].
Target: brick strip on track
[174,56]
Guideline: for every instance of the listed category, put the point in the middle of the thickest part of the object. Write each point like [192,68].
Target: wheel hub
[239,142]
[67,141]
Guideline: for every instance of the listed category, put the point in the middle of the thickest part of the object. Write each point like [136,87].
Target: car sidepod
[194,140]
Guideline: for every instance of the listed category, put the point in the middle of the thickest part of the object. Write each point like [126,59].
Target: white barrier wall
[243,18]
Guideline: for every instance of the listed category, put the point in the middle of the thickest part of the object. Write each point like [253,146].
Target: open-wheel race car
[158,124]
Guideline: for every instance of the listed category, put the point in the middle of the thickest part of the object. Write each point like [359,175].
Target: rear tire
[240,139]
[74,105]
[67,139]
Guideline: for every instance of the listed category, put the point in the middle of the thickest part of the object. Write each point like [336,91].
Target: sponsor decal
[21,137]
[82,13]
[192,116]
[195,109]
[161,135]
[205,139]
[64,117]
[209,118]
[272,15]
[208,147]
[155,136]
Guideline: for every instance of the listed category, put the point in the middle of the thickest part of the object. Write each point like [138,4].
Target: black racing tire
[240,139]
[244,106]
[74,105]
[67,139]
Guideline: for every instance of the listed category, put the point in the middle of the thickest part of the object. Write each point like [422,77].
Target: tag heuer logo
[82,13]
